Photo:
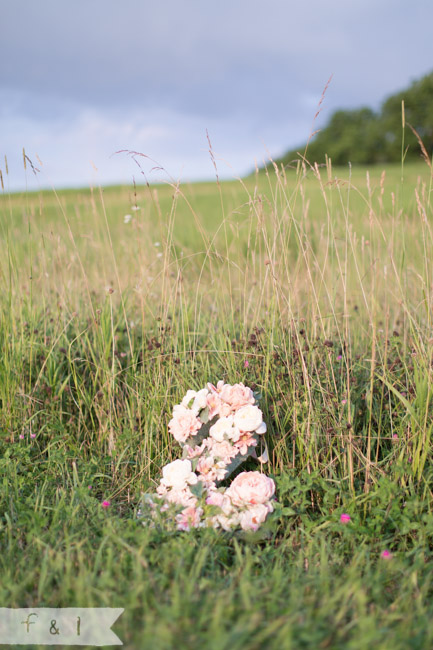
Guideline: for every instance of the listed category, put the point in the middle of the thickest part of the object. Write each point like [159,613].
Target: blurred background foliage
[363,136]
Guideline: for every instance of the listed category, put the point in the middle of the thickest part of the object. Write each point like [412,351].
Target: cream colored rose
[224,429]
[178,474]
[251,488]
[248,418]
[189,398]
[196,401]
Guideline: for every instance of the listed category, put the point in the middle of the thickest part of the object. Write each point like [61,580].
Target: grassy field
[115,301]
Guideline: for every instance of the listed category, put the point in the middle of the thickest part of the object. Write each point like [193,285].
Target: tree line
[363,136]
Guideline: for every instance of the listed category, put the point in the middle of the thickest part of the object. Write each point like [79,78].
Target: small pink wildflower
[21,436]
[344,518]
[386,555]
[106,504]
[246,363]
[395,436]
[344,401]
[339,357]
[33,435]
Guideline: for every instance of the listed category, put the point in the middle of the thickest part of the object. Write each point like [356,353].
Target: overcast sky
[80,80]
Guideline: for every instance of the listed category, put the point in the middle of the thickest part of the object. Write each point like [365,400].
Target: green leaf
[402,399]
[197,489]
[204,415]
[234,464]
[201,434]
[240,458]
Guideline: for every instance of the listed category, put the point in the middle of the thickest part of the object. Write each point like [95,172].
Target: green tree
[418,109]
[362,136]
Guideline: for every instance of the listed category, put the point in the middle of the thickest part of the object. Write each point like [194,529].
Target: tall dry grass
[319,278]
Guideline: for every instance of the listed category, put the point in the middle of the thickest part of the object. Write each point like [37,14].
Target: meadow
[312,285]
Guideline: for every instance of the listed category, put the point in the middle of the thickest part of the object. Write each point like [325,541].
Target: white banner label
[64,626]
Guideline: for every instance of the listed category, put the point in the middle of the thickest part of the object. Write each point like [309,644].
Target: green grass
[322,281]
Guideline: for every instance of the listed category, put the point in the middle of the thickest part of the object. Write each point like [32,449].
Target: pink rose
[226,523]
[251,488]
[183,424]
[252,517]
[246,440]
[189,518]
[213,404]
[223,450]
[220,500]
[210,470]
[193,452]
[215,389]
[182,497]
[237,395]
[225,410]
[215,499]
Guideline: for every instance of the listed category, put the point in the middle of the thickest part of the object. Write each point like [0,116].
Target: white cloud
[68,151]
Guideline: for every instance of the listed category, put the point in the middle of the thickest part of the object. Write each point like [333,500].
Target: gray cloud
[251,69]
[209,58]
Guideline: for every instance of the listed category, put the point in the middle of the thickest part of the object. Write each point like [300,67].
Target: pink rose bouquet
[218,428]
